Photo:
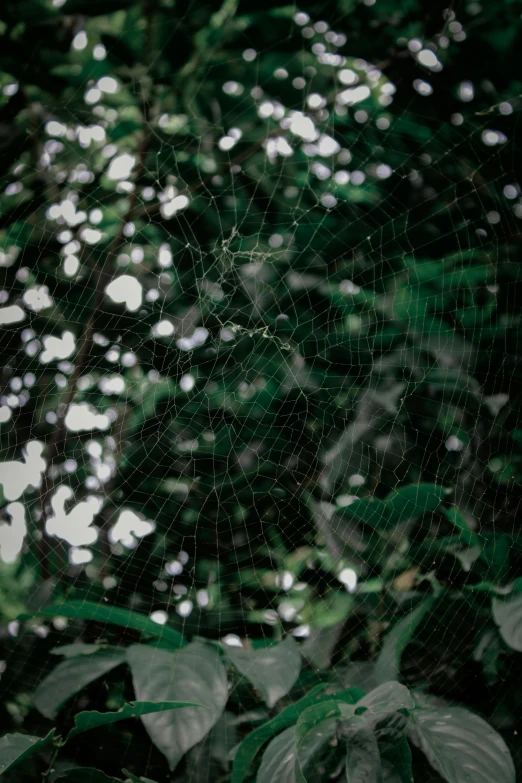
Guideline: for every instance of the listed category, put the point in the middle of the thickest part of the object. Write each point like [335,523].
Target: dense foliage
[261,444]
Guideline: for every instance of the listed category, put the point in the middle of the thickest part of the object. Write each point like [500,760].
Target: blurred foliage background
[260,326]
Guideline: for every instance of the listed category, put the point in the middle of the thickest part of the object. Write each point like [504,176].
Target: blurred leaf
[413,501]
[87,775]
[101,613]
[272,671]
[70,676]
[388,664]
[507,613]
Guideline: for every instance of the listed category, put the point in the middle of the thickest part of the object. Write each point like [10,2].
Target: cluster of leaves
[366,735]
[303,393]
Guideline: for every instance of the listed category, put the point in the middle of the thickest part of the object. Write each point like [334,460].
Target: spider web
[227,337]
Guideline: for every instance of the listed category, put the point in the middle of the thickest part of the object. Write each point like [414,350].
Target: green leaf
[388,664]
[370,511]
[363,760]
[386,698]
[320,644]
[85,721]
[16,747]
[70,676]
[508,616]
[315,727]
[412,501]
[193,674]
[468,537]
[287,756]
[332,610]
[254,741]
[396,761]
[135,779]
[86,775]
[116,615]
[461,746]
[74,650]
[271,670]
[402,504]
[278,762]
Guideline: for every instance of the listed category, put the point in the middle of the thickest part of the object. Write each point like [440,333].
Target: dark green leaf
[396,761]
[74,650]
[16,747]
[413,501]
[86,775]
[116,615]
[254,741]
[388,664]
[370,511]
[135,779]
[279,759]
[85,721]
[315,727]
[70,676]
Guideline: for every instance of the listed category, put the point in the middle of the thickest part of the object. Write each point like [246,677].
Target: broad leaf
[279,759]
[115,615]
[508,616]
[407,502]
[193,674]
[16,747]
[315,727]
[461,746]
[70,676]
[85,721]
[271,670]
[255,740]
[412,501]
[320,644]
[388,664]
[371,511]
[363,761]
[386,698]
[288,755]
